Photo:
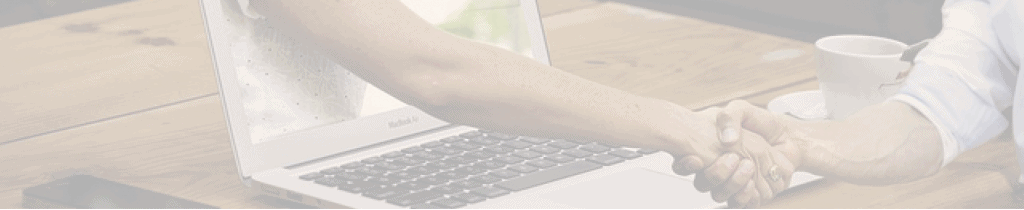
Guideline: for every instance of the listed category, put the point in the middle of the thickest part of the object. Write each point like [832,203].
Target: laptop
[304,129]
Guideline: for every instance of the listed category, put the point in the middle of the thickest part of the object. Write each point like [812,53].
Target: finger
[755,119]
[738,180]
[717,173]
[728,129]
[687,165]
[764,189]
[785,171]
[744,197]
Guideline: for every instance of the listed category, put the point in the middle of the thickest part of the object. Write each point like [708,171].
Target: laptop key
[407,161]
[563,144]
[468,197]
[522,168]
[352,165]
[466,184]
[485,179]
[448,203]
[460,160]
[444,151]
[402,175]
[311,176]
[502,136]
[489,192]
[412,185]
[369,171]
[422,170]
[576,153]
[414,198]
[543,149]
[332,170]
[541,163]
[353,187]
[427,156]
[447,189]
[490,165]
[646,151]
[440,165]
[382,181]
[387,166]
[451,175]
[549,175]
[433,144]
[350,176]
[479,155]
[426,206]
[392,155]
[373,160]
[432,180]
[529,155]
[559,158]
[498,150]
[534,140]
[580,141]
[604,159]
[516,144]
[483,141]
[594,148]
[504,173]
[508,159]
[463,146]
[471,134]
[328,181]
[470,170]
[413,149]
[624,154]
[452,139]
[385,193]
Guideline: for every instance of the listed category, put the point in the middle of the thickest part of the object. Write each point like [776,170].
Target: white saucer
[806,105]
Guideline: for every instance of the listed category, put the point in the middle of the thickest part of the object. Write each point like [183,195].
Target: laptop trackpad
[636,188]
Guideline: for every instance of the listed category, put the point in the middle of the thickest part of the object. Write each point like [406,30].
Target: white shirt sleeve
[247,9]
[962,82]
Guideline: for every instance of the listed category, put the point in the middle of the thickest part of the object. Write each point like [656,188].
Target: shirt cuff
[950,147]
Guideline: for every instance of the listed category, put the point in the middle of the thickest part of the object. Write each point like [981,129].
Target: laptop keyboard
[468,168]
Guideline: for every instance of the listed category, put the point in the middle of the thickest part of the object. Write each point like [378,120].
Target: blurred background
[806,20]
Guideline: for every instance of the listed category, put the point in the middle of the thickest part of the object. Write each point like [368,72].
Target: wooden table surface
[128,93]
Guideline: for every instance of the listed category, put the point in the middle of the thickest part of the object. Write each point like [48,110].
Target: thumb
[686,165]
[728,128]
[743,115]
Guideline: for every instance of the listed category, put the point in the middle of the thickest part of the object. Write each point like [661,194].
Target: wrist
[683,132]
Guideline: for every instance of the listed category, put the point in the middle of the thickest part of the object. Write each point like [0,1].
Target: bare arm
[883,144]
[470,83]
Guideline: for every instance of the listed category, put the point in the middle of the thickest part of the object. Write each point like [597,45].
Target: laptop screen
[285,89]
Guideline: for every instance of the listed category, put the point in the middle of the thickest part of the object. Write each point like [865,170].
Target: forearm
[470,83]
[883,144]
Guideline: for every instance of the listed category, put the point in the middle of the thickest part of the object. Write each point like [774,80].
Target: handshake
[757,154]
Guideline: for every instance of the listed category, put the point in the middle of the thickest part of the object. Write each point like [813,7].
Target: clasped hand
[758,161]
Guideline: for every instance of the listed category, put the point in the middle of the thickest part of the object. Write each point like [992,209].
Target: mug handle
[908,56]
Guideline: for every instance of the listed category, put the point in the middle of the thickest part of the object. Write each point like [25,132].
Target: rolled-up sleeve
[962,82]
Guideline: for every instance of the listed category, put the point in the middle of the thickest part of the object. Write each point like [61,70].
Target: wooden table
[128,93]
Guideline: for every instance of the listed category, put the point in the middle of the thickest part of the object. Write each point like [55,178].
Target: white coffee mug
[855,71]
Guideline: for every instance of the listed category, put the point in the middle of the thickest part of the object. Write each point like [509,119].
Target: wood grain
[69,70]
[687,61]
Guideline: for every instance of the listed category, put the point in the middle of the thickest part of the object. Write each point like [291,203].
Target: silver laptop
[304,129]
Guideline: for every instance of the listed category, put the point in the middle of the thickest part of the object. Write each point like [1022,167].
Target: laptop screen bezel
[325,140]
